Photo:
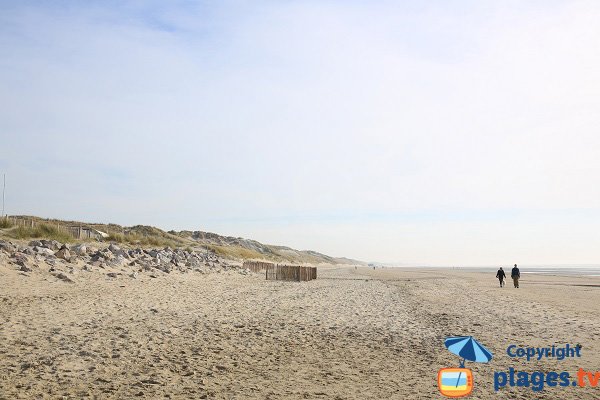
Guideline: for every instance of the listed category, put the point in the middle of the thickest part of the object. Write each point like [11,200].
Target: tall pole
[3,190]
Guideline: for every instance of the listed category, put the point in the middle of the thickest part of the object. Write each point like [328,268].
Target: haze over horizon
[437,133]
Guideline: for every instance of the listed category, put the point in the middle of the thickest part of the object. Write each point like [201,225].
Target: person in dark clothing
[501,275]
[515,275]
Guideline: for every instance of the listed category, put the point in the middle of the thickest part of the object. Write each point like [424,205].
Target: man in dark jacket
[501,275]
[515,275]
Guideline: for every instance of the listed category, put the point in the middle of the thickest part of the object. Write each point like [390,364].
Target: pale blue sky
[433,133]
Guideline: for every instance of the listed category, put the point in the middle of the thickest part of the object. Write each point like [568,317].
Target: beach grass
[233,252]
[40,231]
[141,240]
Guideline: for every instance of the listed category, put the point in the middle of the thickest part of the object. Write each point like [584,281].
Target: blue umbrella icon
[469,349]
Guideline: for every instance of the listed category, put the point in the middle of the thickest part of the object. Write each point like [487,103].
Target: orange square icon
[455,382]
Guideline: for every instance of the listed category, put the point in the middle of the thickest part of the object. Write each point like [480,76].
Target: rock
[119,261]
[35,243]
[107,254]
[50,244]
[7,247]
[163,258]
[103,255]
[79,249]
[63,277]
[112,274]
[165,268]
[133,275]
[43,251]
[177,259]
[63,253]
[91,249]
[25,268]
[117,251]
[20,258]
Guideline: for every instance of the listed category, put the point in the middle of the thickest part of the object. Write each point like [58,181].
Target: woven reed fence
[257,266]
[278,272]
[290,273]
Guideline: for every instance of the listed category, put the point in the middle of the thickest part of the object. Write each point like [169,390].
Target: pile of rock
[63,261]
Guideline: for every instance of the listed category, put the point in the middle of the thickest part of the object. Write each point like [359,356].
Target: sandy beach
[350,334]
[273,200]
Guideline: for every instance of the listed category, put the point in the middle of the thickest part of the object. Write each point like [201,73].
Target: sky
[427,133]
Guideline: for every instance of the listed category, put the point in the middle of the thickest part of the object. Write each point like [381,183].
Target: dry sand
[351,334]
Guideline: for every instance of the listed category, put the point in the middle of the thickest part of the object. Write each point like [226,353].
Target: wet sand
[351,334]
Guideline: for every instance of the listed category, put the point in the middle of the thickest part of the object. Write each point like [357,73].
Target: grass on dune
[40,231]
[141,240]
[235,252]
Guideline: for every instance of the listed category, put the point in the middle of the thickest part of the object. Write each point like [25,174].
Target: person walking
[501,275]
[515,275]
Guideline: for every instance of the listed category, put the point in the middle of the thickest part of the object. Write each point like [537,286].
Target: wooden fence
[76,231]
[290,273]
[257,266]
[282,272]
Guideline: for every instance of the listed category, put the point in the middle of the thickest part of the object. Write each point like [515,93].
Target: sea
[559,270]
